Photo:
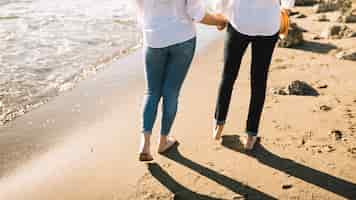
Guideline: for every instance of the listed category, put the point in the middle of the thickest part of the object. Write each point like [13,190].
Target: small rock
[304,2]
[347,55]
[326,6]
[300,16]
[337,134]
[294,13]
[352,150]
[346,19]
[331,148]
[323,86]
[287,186]
[334,31]
[345,7]
[322,18]
[347,15]
[303,141]
[316,37]
[294,37]
[325,108]
[301,88]
[279,91]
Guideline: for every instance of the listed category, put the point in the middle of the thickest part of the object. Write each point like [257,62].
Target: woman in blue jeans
[169,45]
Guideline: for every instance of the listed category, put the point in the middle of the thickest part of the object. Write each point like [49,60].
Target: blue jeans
[165,71]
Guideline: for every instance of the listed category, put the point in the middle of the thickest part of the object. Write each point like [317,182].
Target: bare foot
[145,157]
[217,131]
[250,142]
[145,152]
[165,143]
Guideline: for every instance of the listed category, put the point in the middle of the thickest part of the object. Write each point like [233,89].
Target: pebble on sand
[297,87]
[337,134]
[304,2]
[325,108]
[336,31]
[295,37]
[287,186]
[302,88]
[322,18]
[323,86]
[347,55]
[352,150]
[325,6]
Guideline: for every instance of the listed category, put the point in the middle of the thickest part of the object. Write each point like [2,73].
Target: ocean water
[47,46]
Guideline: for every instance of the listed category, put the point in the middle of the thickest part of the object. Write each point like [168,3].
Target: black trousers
[235,46]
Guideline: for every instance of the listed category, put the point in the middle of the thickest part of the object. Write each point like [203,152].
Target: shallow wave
[48,46]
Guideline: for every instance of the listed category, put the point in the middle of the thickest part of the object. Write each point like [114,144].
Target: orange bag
[283,32]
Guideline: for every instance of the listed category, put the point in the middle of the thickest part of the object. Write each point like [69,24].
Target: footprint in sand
[350,116]
[278,60]
[280,67]
[305,138]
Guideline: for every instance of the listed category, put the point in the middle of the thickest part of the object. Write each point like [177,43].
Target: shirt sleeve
[196,9]
[139,11]
[287,4]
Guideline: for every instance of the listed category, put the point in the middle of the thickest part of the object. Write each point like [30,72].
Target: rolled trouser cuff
[251,133]
[219,122]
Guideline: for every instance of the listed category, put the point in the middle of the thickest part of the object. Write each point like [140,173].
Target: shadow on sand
[323,180]
[315,47]
[180,192]
[183,193]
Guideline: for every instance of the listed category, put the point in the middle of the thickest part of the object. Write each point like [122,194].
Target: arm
[196,10]
[287,5]
[138,5]
[217,19]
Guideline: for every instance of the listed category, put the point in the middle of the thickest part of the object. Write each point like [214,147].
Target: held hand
[221,27]
[222,22]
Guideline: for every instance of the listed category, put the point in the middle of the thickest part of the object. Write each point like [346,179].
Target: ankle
[163,139]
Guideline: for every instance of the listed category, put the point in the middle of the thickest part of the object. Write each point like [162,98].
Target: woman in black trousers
[257,23]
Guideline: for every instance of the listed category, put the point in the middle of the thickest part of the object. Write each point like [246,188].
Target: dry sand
[90,150]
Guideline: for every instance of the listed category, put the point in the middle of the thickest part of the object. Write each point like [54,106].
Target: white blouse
[169,22]
[254,17]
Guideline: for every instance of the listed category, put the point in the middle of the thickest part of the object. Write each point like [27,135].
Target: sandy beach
[84,143]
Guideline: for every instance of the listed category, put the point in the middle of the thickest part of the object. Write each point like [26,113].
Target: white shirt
[169,22]
[254,17]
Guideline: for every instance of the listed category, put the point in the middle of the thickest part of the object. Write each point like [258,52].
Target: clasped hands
[222,21]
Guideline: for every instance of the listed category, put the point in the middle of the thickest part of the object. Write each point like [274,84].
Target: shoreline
[47,49]
[51,92]
[37,131]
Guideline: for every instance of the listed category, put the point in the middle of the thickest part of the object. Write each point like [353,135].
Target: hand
[288,11]
[221,27]
[222,21]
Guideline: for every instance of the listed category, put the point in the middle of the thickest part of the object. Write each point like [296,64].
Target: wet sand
[84,144]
